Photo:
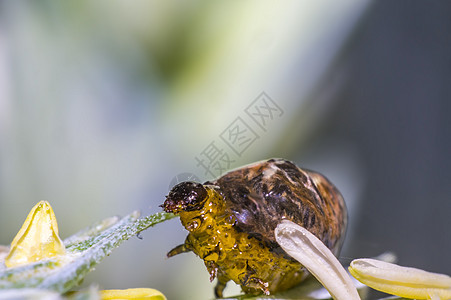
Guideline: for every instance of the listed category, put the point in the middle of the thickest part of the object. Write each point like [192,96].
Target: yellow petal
[139,293]
[401,281]
[37,239]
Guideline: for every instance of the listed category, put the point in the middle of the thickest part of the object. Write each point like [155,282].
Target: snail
[231,222]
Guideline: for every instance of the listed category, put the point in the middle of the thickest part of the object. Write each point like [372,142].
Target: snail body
[231,222]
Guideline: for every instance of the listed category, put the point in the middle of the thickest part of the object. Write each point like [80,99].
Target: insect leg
[249,281]
[179,249]
[220,285]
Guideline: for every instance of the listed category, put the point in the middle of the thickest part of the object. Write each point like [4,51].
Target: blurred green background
[104,103]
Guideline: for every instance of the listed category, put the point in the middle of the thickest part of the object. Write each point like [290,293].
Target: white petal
[306,248]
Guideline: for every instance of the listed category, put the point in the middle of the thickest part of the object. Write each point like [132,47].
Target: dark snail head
[185,196]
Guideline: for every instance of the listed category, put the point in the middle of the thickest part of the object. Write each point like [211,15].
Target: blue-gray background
[103,103]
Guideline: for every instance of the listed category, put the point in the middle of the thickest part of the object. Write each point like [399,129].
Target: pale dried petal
[306,248]
[401,281]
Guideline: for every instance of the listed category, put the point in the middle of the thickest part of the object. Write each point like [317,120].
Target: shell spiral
[262,194]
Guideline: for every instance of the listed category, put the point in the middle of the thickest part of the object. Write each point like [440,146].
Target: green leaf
[84,250]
